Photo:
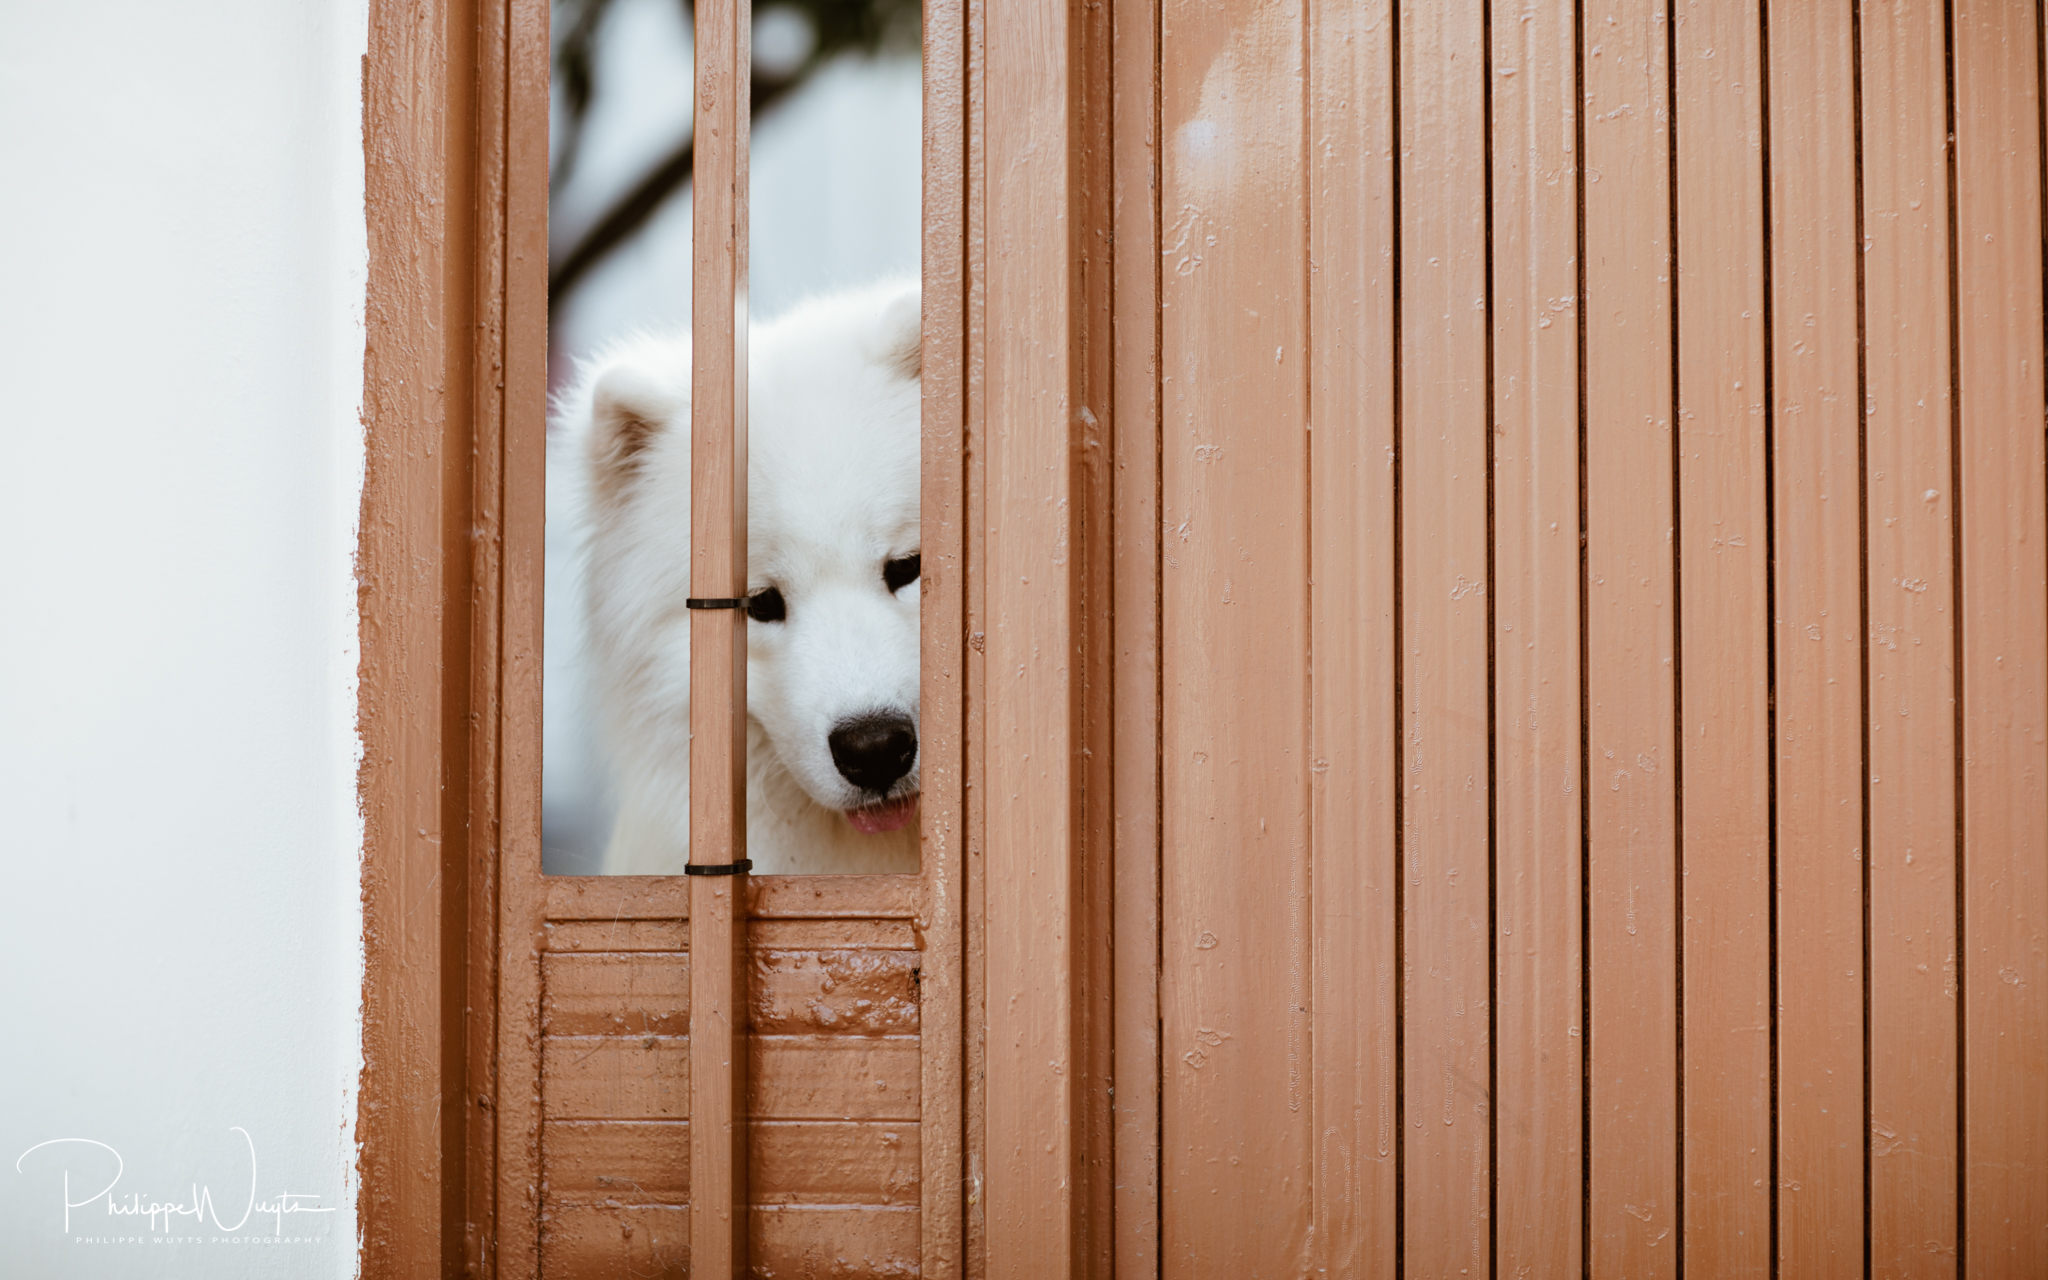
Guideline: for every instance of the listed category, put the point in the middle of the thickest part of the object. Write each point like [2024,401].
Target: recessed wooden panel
[800,1242]
[644,1162]
[643,1077]
[833,1078]
[818,1162]
[848,992]
[638,1240]
[615,994]
[616,935]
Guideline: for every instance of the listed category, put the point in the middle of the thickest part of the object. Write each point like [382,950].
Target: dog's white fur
[832,494]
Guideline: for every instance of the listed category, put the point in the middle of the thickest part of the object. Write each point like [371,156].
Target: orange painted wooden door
[1602,639]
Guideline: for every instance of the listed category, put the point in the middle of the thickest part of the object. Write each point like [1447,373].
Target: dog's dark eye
[898,574]
[766,605]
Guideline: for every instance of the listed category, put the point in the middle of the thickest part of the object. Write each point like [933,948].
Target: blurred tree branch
[837,26]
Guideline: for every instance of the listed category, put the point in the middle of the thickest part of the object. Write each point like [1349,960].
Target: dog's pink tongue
[878,818]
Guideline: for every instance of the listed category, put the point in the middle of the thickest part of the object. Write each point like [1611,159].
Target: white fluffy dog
[832,584]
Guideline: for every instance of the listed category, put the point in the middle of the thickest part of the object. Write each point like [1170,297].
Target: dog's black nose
[872,751]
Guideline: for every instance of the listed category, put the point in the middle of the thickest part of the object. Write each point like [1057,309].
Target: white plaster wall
[181,280]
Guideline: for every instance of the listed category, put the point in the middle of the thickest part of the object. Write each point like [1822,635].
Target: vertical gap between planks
[1585,694]
[1677,646]
[1763,22]
[1955,551]
[1863,585]
[1492,684]
[1400,674]
[1158,534]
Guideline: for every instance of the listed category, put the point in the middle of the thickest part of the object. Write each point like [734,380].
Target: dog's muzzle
[873,751]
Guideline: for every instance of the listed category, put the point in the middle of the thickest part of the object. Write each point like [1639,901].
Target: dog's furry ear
[629,409]
[903,337]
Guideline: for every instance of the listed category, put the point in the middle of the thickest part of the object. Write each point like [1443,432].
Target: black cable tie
[739,868]
[739,602]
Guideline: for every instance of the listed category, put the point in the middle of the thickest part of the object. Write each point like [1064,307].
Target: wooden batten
[718,643]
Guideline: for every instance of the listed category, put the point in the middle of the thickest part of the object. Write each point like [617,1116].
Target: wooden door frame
[1022,461]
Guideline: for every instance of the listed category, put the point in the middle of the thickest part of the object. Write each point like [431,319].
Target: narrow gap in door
[1770,607]
[1492,692]
[1400,671]
[1585,658]
[1677,638]
[1955,550]
[1862,582]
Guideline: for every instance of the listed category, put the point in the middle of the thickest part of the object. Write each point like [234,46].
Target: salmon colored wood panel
[508,889]
[975,438]
[942,875]
[1134,443]
[1911,589]
[2003,651]
[1538,1052]
[1631,793]
[1354,865]
[718,640]
[1818,629]
[1445,770]
[1235,956]
[1724,643]
[1030,1198]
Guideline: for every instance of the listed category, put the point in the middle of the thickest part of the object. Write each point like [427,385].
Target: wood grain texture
[1236,958]
[1134,447]
[1030,547]
[939,928]
[1445,716]
[1353,860]
[1535,585]
[1631,608]
[1724,641]
[1911,589]
[507,886]
[718,638]
[415,571]
[1817,623]
[833,1077]
[2002,515]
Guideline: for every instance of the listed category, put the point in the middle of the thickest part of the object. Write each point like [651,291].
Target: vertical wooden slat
[943,650]
[1135,593]
[2003,515]
[1351,514]
[1235,965]
[1912,1152]
[1030,1196]
[1724,690]
[974,770]
[1631,772]
[1444,713]
[1536,637]
[1817,622]
[718,660]
[507,1238]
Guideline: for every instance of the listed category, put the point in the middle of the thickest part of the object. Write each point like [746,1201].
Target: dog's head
[832,548]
